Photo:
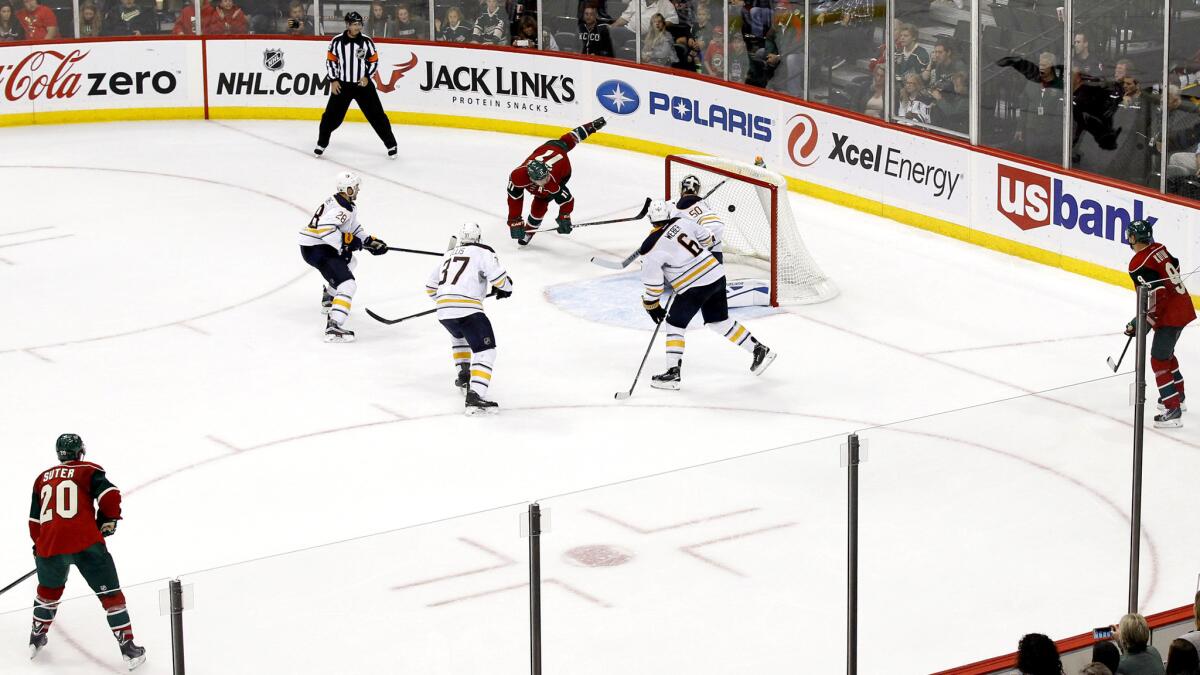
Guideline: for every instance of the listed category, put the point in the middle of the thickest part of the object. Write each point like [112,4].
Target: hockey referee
[350,62]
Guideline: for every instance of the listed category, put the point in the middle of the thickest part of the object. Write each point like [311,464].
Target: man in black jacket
[129,19]
[594,38]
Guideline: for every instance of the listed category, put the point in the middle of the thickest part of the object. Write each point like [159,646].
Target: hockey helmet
[347,184]
[658,213]
[69,447]
[1140,232]
[690,185]
[469,233]
[537,170]
[353,17]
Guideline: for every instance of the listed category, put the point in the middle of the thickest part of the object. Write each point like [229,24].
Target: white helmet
[658,212]
[468,234]
[690,185]
[347,184]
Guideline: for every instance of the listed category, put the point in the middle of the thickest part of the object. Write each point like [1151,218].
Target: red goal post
[760,229]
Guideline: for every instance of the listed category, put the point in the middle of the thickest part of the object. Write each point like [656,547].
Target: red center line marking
[505,561]
[690,549]
[664,528]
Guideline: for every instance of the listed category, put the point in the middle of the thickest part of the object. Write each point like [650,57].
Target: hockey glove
[352,243]
[108,528]
[657,313]
[516,228]
[595,125]
[375,246]
[1131,328]
[564,224]
[502,294]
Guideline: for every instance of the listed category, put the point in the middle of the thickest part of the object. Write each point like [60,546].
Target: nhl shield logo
[273,59]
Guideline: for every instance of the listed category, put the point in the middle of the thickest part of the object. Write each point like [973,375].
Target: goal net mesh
[753,202]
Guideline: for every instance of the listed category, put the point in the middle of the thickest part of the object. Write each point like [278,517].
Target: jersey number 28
[63,500]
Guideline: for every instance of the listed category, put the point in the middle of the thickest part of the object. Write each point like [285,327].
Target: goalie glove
[375,246]
[107,527]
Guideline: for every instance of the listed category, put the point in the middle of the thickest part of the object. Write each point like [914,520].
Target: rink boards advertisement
[158,78]
[994,201]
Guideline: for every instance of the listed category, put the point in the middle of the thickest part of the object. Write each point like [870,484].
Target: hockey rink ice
[161,310]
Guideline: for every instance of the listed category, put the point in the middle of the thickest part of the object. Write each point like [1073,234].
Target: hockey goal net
[760,229]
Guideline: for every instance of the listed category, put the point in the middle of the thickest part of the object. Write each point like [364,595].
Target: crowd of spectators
[31,20]
[1128,653]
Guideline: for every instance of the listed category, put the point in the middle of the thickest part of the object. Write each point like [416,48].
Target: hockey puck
[732,208]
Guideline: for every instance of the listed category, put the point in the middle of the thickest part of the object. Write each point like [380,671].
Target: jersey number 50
[63,500]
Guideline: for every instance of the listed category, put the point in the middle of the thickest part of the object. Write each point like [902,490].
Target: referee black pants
[368,102]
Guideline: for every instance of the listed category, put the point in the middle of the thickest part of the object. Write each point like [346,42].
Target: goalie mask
[690,185]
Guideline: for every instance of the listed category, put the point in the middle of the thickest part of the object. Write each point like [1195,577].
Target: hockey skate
[36,642]
[318,151]
[763,357]
[477,405]
[667,380]
[335,333]
[134,655]
[1170,419]
[326,301]
[1162,407]
[463,379]
[392,152]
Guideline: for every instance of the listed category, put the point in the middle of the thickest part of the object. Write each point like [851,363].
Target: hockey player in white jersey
[467,274]
[328,244]
[677,253]
[691,205]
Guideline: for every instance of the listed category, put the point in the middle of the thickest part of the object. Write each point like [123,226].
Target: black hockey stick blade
[390,322]
[18,581]
[1117,364]
[640,214]
[413,250]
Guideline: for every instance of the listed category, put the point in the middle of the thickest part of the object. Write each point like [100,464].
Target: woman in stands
[10,30]
[377,22]
[453,28]
[89,21]
[1037,655]
[658,46]
[1138,656]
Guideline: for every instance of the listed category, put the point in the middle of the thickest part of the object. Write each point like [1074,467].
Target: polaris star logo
[618,97]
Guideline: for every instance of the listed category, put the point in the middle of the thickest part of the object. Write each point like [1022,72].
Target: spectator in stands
[185,24]
[408,28]
[789,40]
[714,54]
[225,19]
[1138,656]
[910,57]
[299,23]
[129,19]
[870,101]
[648,9]
[377,21]
[685,11]
[1082,58]
[526,35]
[602,15]
[1096,668]
[10,30]
[952,107]
[853,35]
[594,38]
[491,27]
[944,64]
[764,59]
[1039,131]
[739,61]
[90,24]
[915,100]
[1037,654]
[1181,120]
[1183,658]
[38,21]
[658,47]
[1195,615]
[453,28]
[1107,653]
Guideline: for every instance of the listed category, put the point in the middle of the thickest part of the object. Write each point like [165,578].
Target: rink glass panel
[713,569]
[1183,111]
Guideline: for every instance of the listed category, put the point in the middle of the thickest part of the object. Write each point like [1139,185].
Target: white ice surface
[160,309]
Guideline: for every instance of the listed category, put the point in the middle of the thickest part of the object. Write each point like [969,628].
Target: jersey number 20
[63,500]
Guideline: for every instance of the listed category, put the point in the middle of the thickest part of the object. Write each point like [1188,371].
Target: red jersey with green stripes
[66,499]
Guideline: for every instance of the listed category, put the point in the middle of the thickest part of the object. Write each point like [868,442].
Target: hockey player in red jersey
[544,174]
[67,529]
[1169,310]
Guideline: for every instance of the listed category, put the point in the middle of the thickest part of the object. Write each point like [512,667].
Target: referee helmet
[353,17]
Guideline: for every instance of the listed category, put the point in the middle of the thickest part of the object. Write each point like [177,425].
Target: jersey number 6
[65,498]
[446,269]
[690,245]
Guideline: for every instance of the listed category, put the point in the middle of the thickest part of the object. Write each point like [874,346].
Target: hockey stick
[640,214]
[18,581]
[389,322]
[624,395]
[611,264]
[413,250]
[1117,364]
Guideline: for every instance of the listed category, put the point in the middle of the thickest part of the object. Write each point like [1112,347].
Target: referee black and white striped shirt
[350,59]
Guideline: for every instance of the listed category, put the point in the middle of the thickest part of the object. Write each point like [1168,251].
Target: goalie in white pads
[328,244]
[676,253]
[691,205]
[465,276]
